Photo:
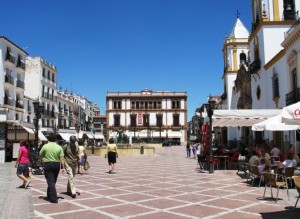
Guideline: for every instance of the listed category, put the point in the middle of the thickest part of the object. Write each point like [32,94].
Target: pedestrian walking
[22,164]
[112,154]
[82,160]
[188,150]
[194,149]
[200,156]
[53,157]
[71,152]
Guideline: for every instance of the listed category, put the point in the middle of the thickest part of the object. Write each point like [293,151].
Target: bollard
[93,149]
[142,149]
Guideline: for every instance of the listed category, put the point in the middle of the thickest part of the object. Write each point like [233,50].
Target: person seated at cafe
[275,151]
[295,155]
[220,151]
[254,160]
[262,165]
[264,154]
[289,161]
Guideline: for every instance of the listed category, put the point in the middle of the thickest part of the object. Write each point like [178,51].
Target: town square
[150,109]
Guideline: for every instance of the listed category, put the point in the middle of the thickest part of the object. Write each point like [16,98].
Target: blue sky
[128,45]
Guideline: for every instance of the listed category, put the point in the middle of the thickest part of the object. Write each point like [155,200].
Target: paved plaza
[166,185]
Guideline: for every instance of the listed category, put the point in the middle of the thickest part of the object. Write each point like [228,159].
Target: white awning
[99,136]
[42,136]
[89,135]
[80,134]
[29,130]
[274,124]
[291,114]
[234,118]
[65,136]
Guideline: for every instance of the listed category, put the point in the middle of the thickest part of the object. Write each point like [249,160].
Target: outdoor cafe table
[221,157]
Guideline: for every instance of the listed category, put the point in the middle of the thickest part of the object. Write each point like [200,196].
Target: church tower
[271,20]
[235,52]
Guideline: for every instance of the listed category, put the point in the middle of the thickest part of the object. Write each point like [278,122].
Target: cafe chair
[276,181]
[233,159]
[297,185]
[241,165]
[288,173]
[256,174]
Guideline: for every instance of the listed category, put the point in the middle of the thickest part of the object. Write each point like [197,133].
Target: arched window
[243,58]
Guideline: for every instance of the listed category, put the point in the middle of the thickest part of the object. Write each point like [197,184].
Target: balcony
[254,66]
[292,97]
[20,84]
[10,58]
[20,64]
[45,95]
[8,101]
[9,79]
[19,104]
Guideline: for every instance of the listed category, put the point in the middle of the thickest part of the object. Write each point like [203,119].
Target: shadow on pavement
[288,213]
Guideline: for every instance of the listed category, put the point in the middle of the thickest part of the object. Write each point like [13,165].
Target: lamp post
[210,110]
[38,109]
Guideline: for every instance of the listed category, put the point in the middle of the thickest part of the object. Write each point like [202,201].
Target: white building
[12,76]
[40,84]
[269,79]
[147,115]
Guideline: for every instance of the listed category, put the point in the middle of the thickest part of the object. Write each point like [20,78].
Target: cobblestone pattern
[166,185]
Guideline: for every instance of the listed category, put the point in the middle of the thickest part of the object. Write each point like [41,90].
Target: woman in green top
[112,154]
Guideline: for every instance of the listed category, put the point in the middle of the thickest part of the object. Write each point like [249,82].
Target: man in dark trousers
[71,152]
[53,157]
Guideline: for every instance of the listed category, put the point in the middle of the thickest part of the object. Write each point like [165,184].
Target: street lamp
[210,110]
[38,109]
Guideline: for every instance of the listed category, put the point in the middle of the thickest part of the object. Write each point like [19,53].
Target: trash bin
[142,149]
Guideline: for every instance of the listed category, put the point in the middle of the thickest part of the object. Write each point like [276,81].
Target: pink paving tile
[138,188]
[226,203]
[163,215]
[197,210]
[125,210]
[133,197]
[97,202]
[247,196]
[192,197]
[80,215]
[162,203]
[61,206]
[216,192]
[163,192]
[117,184]
[187,188]
[164,185]
[109,192]
[89,187]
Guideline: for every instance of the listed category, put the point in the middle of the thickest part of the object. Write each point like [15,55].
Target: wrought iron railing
[9,79]
[20,84]
[292,97]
